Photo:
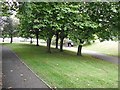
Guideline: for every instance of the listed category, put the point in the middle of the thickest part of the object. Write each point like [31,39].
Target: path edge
[32,71]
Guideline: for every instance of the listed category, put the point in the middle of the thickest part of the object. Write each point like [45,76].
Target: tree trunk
[79,50]
[11,38]
[3,40]
[48,45]
[61,44]
[57,38]
[37,37]
[31,40]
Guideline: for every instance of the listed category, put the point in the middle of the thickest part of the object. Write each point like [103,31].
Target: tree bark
[57,38]
[31,40]
[3,40]
[61,44]
[79,50]
[37,37]
[48,45]
[11,38]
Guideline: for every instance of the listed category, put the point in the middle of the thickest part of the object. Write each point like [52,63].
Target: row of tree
[81,22]
[9,27]
[8,21]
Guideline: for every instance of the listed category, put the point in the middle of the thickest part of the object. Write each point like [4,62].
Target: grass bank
[66,70]
[106,47]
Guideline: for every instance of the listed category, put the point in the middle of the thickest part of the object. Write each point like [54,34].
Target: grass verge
[66,70]
[106,47]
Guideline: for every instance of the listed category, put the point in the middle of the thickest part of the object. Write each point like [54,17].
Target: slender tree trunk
[11,38]
[31,40]
[57,38]
[61,44]
[48,45]
[37,37]
[3,40]
[79,50]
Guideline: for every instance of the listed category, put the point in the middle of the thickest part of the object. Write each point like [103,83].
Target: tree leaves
[77,20]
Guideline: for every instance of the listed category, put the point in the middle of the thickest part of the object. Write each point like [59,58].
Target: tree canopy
[79,21]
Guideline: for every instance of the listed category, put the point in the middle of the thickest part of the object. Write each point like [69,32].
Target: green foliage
[82,22]
[10,27]
[106,14]
[96,18]
[84,19]
[8,8]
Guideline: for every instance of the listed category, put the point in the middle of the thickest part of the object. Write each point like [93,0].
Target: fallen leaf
[11,70]
[9,87]
[25,79]
[21,75]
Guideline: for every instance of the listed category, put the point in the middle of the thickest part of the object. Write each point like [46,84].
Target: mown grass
[66,70]
[106,47]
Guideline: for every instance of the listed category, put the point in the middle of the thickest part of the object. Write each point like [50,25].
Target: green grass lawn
[66,70]
[106,47]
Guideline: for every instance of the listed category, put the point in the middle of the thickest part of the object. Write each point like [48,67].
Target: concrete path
[108,58]
[16,74]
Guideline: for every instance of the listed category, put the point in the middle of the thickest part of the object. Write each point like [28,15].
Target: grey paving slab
[16,74]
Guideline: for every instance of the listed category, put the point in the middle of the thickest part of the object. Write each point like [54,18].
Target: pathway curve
[108,58]
[16,74]
[98,55]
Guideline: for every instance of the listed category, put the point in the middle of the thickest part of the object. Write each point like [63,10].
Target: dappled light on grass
[66,70]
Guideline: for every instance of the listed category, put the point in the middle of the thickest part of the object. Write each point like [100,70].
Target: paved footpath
[16,74]
[98,55]
[113,59]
